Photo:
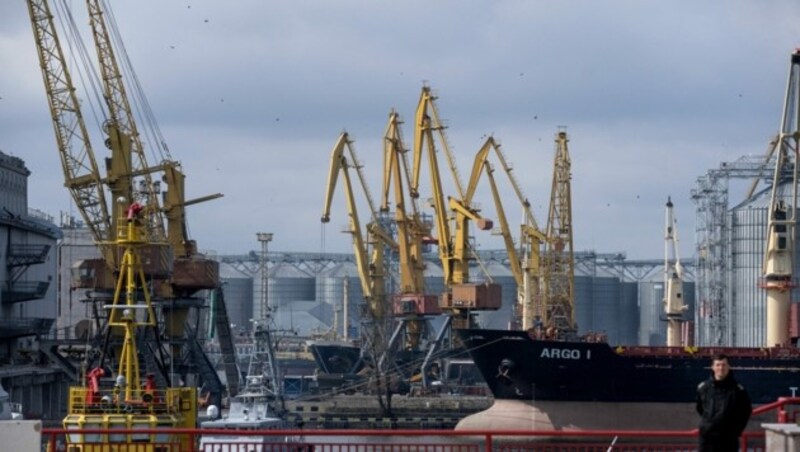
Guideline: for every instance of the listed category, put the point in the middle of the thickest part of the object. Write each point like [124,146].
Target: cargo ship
[560,381]
[334,357]
[553,385]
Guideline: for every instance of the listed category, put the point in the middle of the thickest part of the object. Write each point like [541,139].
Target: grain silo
[652,327]
[652,319]
[331,287]
[434,279]
[584,296]
[746,319]
[238,290]
[629,314]
[303,318]
[690,300]
[285,283]
[731,310]
[605,306]
[500,274]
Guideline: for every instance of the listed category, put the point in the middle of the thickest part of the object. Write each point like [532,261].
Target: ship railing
[224,440]
[368,440]
[733,352]
[787,409]
[112,401]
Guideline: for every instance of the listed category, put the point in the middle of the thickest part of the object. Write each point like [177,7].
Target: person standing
[724,408]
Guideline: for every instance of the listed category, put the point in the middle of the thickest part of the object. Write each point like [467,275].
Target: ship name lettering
[561,353]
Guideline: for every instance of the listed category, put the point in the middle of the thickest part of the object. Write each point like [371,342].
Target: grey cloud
[252,100]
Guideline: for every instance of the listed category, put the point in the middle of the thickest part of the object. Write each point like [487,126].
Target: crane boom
[409,227]
[410,304]
[121,126]
[82,176]
[526,270]
[428,122]
[559,267]
[453,248]
[461,296]
[673,278]
[423,133]
[778,268]
[371,274]
[339,164]
[170,277]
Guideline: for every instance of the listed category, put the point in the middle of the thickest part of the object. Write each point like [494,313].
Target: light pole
[264,238]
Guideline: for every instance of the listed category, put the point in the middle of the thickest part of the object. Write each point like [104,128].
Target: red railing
[392,440]
[54,439]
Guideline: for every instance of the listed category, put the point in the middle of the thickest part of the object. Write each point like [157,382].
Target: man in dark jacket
[724,408]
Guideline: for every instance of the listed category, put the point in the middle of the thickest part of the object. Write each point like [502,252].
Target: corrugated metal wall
[652,320]
[746,301]
[285,283]
[605,309]
[652,330]
[330,289]
[584,298]
[500,319]
[629,314]
[238,289]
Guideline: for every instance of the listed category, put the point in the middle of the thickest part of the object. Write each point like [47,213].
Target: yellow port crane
[461,297]
[673,279]
[128,162]
[410,304]
[121,128]
[133,402]
[126,166]
[82,175]
[372,274]
[525,264]
[558,272]
[778,266]
[171,263]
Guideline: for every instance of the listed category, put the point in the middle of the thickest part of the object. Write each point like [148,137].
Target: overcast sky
[252,95]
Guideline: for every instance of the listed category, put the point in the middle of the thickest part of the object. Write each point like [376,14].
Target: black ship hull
[584,385]
[337,358]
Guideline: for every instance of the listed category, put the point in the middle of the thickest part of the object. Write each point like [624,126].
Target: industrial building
[28,297]
[617,297]
[730,253]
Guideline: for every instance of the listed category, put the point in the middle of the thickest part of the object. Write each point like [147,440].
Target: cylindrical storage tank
[652,318]
[285,283]
[500,319]
[583,303]
[331,286]
[238,290]
[652,328]
[629,314]
[746,302]
[605,309]
[434,285]
[689,299]
[434,279]
[746,312]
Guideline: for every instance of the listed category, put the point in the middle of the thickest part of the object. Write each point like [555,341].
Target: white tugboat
[255,408]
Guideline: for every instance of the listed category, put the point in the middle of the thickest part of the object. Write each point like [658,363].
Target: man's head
[720,367]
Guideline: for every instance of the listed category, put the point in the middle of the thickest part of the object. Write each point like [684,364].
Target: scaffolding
[714,315]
